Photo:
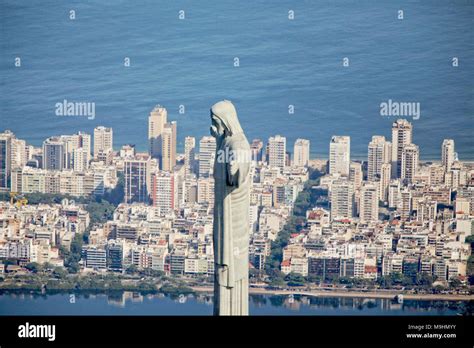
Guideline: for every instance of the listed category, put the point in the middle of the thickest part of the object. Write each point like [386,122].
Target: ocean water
[283,62]
[136,304]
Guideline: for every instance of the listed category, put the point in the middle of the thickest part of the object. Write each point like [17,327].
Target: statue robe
[231,227]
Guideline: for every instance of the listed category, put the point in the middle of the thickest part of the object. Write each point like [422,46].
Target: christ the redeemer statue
[231,212]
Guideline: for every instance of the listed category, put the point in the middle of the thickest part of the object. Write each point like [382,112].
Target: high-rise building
[256,149]
[342,199]
[301,153]
[163,191]
[54,154]
[114,255]
[5,159]
[137,178]
[103,140]
[384,182]
[168,146]
[19,153]
[447,154]
[355,174]
[207,153]
[437,173]
[378,154]
[277,151]
[205,191]
[189,153]
[369,203]
[81,159]
[410,159]
[394,191]
[426,210]
[339,155]
[405,204]
[74,142]
[94,257]
[156,123]
[402,133]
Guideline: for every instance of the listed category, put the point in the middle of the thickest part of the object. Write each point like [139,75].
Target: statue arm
[233,173]
[237,169]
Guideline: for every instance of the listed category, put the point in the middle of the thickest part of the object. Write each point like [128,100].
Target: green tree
[470,269]
[455,283]
[116,195]
[33,267]
[295,279]
[424,280]
[60,272]
[100,211]
[132,269]
[305,200]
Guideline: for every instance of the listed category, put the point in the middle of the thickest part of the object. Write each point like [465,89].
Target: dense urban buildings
[391,214]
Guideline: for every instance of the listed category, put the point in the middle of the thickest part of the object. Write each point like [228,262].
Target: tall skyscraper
[189,152]
[342,199]
[447,154]
[378,154]
[168,145]
[103,140]
[385,174]
[137,179]
[301,153]
[402,134]
[277,151]
[5,160]
[156,123]
[369,203]
[54,154]
[207,153]
[410,159]
[339,155]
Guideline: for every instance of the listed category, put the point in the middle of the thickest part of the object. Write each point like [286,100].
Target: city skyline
[394,187]
[307,161]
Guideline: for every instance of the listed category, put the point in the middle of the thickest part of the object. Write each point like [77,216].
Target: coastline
[356,294]
[384,294]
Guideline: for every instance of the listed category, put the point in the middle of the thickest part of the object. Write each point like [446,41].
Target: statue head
[224,119]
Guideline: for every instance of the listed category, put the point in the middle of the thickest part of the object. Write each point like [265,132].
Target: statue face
[217,128]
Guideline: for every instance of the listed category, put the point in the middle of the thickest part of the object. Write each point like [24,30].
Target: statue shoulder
[239,141]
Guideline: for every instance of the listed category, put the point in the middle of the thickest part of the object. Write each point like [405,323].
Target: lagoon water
[129,303]
[283,62]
